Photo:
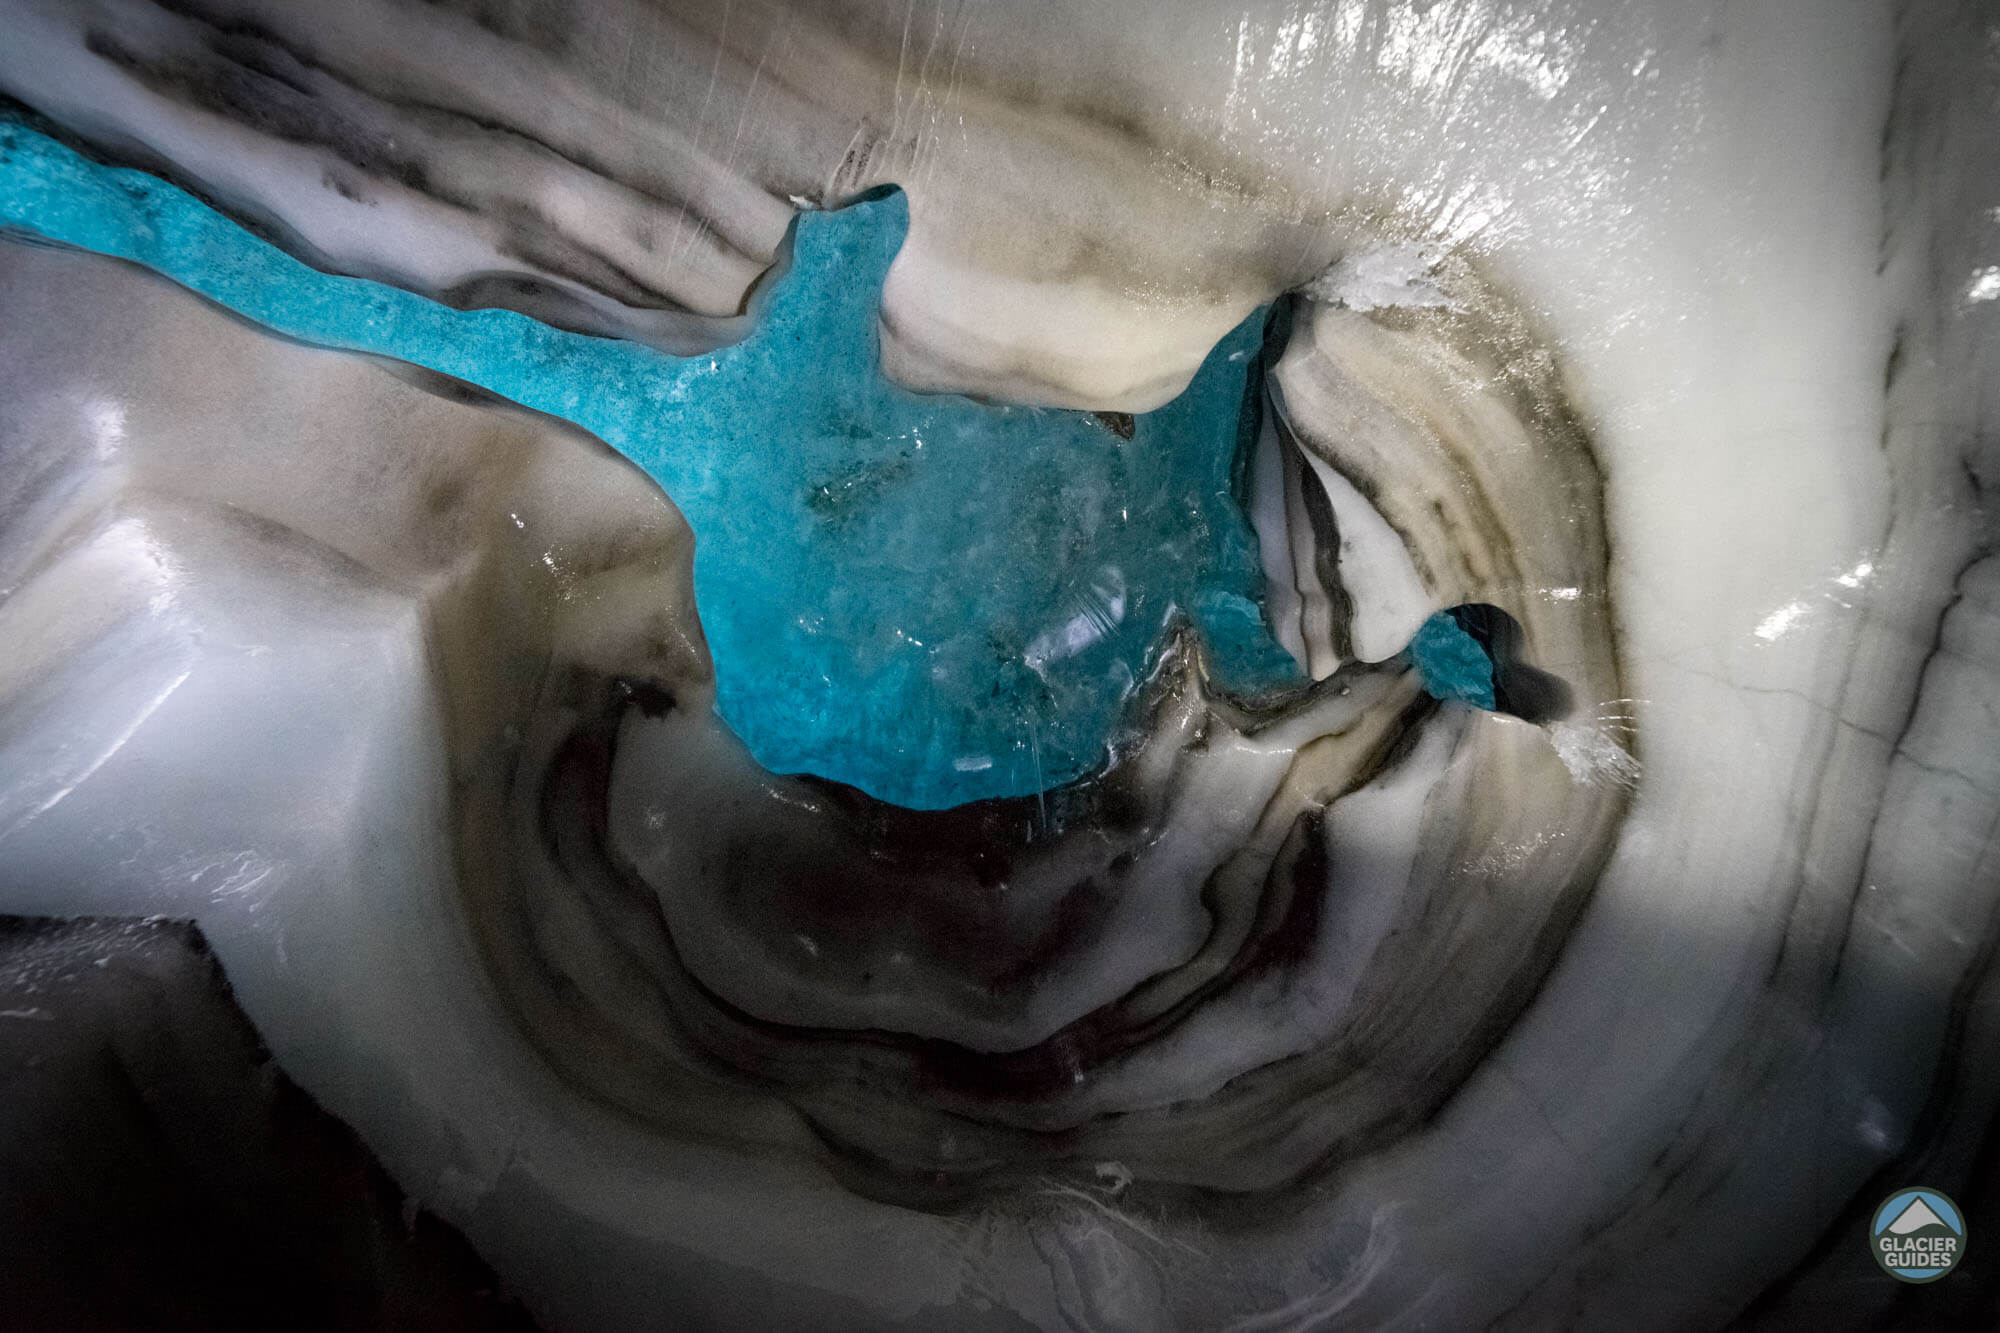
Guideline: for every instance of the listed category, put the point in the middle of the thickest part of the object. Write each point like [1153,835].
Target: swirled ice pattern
[934,599]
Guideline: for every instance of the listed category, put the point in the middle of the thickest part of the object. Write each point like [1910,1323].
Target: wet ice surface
[933,599]
[1758,241]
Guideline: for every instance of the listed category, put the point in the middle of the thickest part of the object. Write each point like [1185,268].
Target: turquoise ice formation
[933,599]
[1451,663]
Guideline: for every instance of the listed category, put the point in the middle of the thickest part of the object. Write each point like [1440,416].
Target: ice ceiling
[1419,749]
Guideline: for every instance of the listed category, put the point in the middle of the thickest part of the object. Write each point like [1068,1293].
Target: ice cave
[1242,666]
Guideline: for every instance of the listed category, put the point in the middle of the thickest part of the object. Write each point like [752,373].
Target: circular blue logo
[1918,1235]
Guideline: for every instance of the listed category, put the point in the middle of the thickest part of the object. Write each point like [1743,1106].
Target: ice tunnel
[999,664]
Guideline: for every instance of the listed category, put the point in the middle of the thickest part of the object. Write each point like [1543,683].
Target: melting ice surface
[934,599]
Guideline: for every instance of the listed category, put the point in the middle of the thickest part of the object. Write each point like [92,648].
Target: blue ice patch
[934,599]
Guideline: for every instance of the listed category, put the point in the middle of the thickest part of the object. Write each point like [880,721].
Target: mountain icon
[1916,1217]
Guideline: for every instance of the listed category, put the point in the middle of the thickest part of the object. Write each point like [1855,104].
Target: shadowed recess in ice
[934,599]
